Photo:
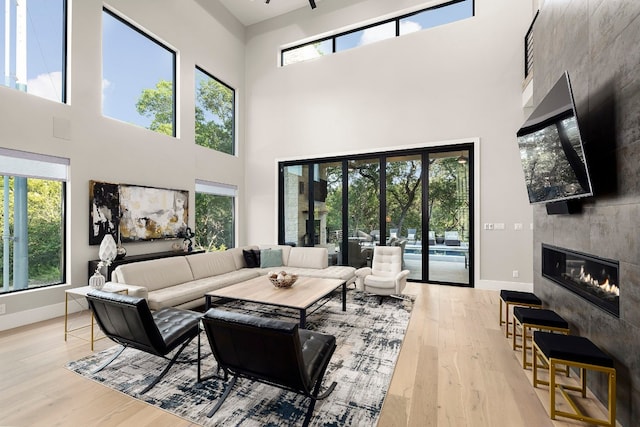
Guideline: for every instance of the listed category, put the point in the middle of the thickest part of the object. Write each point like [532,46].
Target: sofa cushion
[194,290]
[284,248]
[211,264]
[342,272]
[238,257]
[251,258]
[157,273]
[270,258]
[308,258]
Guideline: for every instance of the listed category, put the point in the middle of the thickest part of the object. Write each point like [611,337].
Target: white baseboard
[27,317]
[494,285]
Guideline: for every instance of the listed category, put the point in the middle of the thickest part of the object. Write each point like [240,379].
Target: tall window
[33,47]
[32,216]
[215,216]
[215,113]
[138,77]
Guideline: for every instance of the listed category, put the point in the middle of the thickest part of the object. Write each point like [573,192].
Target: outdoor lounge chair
[451,238]
[432,238]
[269,351]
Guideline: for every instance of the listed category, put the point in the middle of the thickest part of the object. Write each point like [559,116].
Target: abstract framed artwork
[148,213]
[104,211]
[136,213]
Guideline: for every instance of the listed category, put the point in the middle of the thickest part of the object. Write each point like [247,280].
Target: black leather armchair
[128,321]
[269,351]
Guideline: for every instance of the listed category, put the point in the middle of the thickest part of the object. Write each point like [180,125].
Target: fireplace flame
[604,286]
[607,287]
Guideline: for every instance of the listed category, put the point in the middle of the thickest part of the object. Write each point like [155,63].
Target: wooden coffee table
[303,294]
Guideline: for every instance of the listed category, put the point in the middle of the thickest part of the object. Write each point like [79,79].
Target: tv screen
[551,149]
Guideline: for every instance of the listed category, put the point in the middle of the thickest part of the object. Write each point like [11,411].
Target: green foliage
[404,201]
[214,222]
[448,202]
[44,228]
[215,100]
[158,105]
[213,115]
[334,201]
[364,196]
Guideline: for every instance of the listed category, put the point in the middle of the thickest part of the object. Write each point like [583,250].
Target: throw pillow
[270,258]
[251,257]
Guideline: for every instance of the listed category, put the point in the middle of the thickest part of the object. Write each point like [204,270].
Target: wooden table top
[304,293]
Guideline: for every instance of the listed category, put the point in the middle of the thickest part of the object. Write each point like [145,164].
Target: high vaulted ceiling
[252,11]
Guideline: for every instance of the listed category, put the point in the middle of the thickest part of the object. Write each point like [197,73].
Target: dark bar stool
[516,298]
[578,352]
[535,318]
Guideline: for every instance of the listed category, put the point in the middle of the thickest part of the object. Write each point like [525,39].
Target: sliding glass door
[295,211]
[363,213]
[418,200]
[449,217]
[404,210]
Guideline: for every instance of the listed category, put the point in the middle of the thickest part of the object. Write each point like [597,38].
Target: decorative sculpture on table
[107,253]
[187,243]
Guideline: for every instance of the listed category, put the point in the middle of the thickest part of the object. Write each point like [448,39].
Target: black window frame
[174,74]
[396,19]
[233,91]
[382,157]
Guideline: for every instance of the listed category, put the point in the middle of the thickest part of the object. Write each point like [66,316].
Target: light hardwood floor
[456,368]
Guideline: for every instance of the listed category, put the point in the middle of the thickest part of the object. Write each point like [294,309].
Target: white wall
[108,150]
[460,81]
[455,82]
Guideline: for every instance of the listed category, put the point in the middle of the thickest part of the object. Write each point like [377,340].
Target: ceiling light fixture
[311,2]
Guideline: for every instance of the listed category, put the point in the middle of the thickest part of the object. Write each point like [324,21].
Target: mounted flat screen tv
[551,149]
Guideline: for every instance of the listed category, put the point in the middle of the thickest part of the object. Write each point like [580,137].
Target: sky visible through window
[131,63]
[419,21]
[44,23]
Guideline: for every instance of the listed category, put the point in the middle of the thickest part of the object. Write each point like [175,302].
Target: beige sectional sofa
[182,281]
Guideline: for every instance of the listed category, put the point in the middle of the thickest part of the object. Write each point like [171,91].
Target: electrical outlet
[3,308]
[488,226]
[517,226]
[516,274]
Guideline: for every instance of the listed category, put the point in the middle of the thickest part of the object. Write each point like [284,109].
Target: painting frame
[152,213]
[135,213]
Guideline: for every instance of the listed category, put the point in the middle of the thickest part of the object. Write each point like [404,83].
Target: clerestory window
[440,14]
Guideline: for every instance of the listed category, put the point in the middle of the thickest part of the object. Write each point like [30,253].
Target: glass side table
[78,295]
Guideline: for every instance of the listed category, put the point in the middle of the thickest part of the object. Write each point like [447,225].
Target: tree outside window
[215,105]
[215,217]
[138,74]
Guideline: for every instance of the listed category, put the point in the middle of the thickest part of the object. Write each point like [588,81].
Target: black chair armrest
[317,350]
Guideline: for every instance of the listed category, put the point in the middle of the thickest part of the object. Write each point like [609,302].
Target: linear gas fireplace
[594,279]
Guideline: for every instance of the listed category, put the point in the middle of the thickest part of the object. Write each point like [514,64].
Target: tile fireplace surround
[592,278]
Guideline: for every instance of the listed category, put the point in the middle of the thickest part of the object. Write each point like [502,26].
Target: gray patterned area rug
[368,336]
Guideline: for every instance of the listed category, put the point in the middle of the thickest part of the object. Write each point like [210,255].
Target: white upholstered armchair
[385,276]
